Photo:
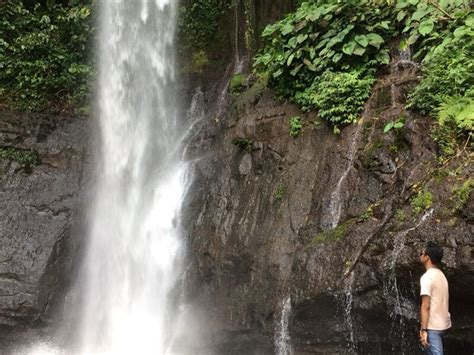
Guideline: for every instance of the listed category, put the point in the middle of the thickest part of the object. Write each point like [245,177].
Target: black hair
[435,252]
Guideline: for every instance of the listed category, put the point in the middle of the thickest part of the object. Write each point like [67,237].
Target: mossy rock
[238,83]
[333,235]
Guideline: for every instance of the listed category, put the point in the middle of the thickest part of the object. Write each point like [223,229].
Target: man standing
[434,315]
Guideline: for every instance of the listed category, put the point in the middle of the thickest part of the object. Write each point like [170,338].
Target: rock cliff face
[40,213]
[326,221]
[309,243]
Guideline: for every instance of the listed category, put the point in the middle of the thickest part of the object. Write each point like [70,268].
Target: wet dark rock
[254,247]
[39,214]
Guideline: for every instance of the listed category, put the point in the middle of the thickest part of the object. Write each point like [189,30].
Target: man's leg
[435,340]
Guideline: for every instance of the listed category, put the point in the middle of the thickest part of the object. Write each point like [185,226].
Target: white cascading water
[282,335]
[133,248]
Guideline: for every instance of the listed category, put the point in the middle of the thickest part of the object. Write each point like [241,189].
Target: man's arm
[424,316]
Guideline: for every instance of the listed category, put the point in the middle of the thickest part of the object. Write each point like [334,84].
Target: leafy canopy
[44,55]
[324,55]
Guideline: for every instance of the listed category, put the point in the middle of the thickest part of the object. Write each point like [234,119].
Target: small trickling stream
[282,335]
[401,308]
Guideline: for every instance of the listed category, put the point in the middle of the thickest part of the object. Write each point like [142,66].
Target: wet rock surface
[40,213]
[327,220]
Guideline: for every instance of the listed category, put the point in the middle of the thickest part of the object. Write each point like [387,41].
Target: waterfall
[131,262]
[348,304]
[282,339]
[336,201]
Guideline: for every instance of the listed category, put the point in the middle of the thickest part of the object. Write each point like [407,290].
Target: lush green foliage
[448,71]
[398,124]
[295,126]
[459,110]
[424,23]
[26,158]
[44,55]
[446,90]
[320,56]
[446,136]
[244,144]
[422,201]
[339,96]
[346,40]
[320,36]
[461,194]
[198,22]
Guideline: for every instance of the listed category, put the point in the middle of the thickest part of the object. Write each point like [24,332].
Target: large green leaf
[301,38]
[309,64]
[358,50]
[287,28]
[269,30]
[412,39]
[383,57]
[292,42]
[470,20]
[419,14]
[401,15]
[375,39]
[290,59]
[348,48]
[337,57]
[461,31]
[426,27]
[402,4]
[277,73]
[362,40]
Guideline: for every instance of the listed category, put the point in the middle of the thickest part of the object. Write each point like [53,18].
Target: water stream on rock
[282,338]
[131,262]
[336,202]
[401,308]
[348,304]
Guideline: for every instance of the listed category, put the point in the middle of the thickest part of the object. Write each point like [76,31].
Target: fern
[458,109]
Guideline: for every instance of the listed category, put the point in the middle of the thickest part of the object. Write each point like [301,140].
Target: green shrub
[319,56]
[397,124]
[422,201]
[448,71]
[340,96]
[26,158]
[244,144]
[198,22]
[238,83]
[424,23]
[346,40]
[458,111]
[44,58]
[295,126]
[323,35]
[200,61]
[446,137]
[279,193]
[367,214]
[400,215]
[461,194]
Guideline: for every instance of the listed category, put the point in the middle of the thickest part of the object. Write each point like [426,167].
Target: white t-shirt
[434,284]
